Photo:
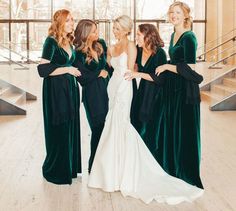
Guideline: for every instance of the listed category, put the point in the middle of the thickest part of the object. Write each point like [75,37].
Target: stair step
[221,89]
[230,82]
[4,90]
[211,96]
[16,98]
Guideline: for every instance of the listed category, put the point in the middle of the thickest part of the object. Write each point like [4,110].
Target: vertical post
[134,19]
[205,29]
[109,34]
[27,40]
[10,4]
[51,9]
[94,9]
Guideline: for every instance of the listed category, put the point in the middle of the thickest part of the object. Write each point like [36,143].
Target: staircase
[221,91]
[13,99]
[220,75]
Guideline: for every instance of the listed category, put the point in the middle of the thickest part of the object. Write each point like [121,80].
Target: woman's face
[118,31]
[93,35]
[140,39]
[69,24]
[176,16]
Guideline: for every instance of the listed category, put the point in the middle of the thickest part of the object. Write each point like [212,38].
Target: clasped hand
[73,71]
[129,75]
[160,69]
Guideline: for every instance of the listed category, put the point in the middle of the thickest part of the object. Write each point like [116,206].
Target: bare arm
[109,56]
[132,53]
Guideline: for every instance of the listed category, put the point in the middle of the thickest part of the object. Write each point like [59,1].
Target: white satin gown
[122,161]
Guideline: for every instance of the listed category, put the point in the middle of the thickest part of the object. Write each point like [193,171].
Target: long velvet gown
[122,161]
[94,96]
[147,106]
[179,147]
[61,103]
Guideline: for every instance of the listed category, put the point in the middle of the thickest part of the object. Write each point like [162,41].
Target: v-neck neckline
[147,61]
[68,55]
[173,45]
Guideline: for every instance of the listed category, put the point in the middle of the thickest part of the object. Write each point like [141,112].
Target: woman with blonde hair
[60,102]
[91,52]
[122,161]
[180,148]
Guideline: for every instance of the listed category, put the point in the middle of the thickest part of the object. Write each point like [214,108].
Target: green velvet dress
[61,118]
[179,147]
[147,105]
[94,96]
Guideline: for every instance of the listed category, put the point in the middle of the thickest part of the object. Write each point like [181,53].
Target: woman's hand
[160,69]
[103,74]
[73,71]
[129,75]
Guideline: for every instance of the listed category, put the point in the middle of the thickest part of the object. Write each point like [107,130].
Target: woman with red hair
[60,102]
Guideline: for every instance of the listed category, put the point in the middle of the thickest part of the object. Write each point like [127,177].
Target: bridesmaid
[147,107]
[180,149]
[60,102]
[91,52]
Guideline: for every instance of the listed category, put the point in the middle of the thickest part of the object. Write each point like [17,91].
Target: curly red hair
[57,28]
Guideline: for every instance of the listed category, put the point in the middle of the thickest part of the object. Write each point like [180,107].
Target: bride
[122,161]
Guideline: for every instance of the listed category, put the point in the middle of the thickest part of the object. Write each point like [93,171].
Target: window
[31,19]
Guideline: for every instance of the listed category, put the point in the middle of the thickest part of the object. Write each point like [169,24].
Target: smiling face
[93,35]
[69,24]
[176,16]
[140,39]
[118,31]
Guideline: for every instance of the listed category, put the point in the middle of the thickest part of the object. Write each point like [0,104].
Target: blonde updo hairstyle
[125,22]
[186,10]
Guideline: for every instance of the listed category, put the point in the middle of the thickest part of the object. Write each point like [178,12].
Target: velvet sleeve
[186,71]
[48,48]
[46,69]
[87,76]
[160,60]
[190,48]
[107,67]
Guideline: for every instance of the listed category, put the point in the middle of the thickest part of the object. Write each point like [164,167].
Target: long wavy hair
[186,10]
[57,28]
[152,38]
[81,41]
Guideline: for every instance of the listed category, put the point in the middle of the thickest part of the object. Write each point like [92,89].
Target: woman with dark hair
[60,102]
[122,161]
[180,147]
[147,109]
[91,52]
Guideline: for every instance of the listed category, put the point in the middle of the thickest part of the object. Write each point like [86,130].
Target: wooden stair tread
[227,88]
[213,95]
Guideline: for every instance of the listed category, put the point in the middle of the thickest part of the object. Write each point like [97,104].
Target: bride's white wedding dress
[122,161]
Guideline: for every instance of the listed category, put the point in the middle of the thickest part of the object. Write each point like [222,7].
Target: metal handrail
[16,44]
[221,52]
[221,60]
[218,38]
[14,62]
[22,56]
[211,49]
